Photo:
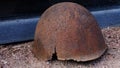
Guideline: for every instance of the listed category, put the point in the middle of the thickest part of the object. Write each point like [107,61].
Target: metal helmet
[70,31]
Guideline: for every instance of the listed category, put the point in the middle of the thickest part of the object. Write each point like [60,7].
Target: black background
[32,7]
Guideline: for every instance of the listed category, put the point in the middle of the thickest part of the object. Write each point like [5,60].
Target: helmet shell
[70,31]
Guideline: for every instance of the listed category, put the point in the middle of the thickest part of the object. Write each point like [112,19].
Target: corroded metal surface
[70,31]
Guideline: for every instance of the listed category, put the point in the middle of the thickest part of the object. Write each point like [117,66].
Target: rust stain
[70,31]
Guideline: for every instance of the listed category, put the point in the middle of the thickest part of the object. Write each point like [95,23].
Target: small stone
[4,61]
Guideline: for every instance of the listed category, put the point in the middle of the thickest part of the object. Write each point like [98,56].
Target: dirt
[19,55]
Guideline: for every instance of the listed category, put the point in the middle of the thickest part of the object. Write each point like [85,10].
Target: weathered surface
[70,31]
[19,55]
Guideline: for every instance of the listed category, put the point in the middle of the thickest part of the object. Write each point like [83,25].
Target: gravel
[19,55]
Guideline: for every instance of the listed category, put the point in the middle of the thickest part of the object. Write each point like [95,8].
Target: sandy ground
[19,55]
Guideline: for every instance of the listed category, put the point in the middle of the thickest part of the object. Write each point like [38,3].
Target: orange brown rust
[70,31]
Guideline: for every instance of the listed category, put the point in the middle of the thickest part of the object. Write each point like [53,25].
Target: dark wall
[22,7]
[30,7]
[89,2]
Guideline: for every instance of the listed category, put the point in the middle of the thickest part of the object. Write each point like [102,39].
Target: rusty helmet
[70,31]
